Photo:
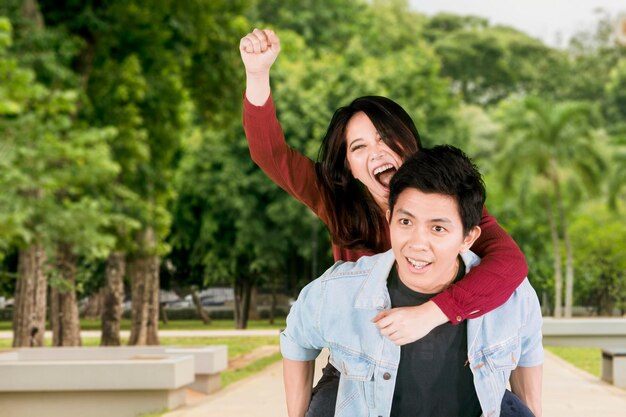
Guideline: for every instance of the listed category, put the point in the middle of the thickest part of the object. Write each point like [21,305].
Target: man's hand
[259,49]
[404,325]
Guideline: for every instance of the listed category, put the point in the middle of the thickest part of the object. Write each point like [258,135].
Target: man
[435,204]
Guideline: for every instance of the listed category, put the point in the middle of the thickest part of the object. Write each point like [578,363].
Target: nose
[419,239]
[378,149]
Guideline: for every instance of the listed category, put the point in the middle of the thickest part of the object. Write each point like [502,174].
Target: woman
[365,144]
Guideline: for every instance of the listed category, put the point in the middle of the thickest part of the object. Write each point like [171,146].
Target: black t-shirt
[433,379]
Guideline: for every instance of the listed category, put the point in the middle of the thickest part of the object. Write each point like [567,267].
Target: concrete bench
[105,381]
[209,361]
[614,366]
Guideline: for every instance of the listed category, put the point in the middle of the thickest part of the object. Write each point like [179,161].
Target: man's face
[426,238]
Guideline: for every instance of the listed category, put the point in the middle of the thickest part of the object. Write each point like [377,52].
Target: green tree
[229,222]
[56,172]
[544,146]
[488,63]
[143,65]
[600,235]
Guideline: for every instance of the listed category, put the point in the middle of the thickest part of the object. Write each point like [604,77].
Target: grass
[179,325]
[587,359]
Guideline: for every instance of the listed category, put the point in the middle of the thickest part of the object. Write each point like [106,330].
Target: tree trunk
[273,303]
[196,302]
[29,310]
[243,292]
[556,247]
[163,313]
[30,11]
[569,257]
[93,307]
[253,305]
[144,275]
[113,299]
[64,318]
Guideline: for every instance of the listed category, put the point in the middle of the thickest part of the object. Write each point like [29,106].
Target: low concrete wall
[585,332]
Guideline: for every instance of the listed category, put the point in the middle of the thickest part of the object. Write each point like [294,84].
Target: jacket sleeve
[531,336]
[487,286]
[302,338]
[287,167]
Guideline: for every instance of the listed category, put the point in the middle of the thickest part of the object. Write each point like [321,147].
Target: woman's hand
[404,325]
[259,49]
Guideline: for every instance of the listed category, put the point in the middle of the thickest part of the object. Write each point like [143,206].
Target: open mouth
[384,173]
[418,265]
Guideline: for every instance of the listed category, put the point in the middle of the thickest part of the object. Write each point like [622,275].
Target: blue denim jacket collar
[373,294]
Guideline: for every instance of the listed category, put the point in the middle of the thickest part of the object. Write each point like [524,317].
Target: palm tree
[552,142]
[617,186]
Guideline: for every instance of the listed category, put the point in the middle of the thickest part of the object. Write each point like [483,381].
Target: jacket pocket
[503,356]
[356,384]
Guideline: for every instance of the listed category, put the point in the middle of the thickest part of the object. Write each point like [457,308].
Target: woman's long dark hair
[354,219]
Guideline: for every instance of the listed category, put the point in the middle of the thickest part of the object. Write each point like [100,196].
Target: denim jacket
[335,311]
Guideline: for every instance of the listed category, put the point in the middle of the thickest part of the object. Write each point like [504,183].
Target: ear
[388,216]
[470,238]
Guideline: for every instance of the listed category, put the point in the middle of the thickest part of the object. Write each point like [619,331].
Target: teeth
[382,169]
[417,264]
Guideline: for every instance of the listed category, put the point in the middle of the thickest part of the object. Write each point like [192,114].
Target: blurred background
[126,186]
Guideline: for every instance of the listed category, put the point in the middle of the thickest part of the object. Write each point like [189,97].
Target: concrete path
[567,392]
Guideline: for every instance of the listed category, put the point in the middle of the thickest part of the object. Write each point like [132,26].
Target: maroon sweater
[486,287]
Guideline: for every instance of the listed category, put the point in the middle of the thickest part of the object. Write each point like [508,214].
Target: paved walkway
[567,392]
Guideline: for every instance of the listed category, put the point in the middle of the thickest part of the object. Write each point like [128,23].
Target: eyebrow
[354,140]
[435,220]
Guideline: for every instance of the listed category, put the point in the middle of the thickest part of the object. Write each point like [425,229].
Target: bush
[6,314]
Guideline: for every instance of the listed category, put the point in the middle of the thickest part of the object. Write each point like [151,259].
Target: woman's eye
[356,147]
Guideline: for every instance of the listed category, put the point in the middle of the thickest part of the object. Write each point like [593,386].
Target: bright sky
[543,19]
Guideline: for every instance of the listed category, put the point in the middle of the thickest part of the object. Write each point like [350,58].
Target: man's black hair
[444,170]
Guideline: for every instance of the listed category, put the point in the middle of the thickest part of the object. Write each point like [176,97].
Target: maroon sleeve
[490,284]
[290,169]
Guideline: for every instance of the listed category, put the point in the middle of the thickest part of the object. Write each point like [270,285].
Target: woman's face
[371,161]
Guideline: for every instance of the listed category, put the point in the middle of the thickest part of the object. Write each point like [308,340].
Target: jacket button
[386,376]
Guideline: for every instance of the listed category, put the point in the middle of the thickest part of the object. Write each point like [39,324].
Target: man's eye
[439,229]
[405,222]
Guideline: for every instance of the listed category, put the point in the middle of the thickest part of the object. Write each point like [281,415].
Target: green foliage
[316,22]
[600,238]
[117,116]
[56,171]
[487,63]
